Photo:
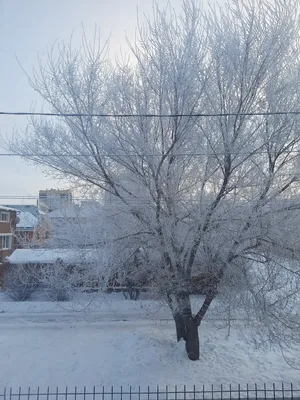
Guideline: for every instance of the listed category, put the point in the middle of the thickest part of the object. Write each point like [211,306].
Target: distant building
[8,220]
[25,229]
[52,199]
[31,228]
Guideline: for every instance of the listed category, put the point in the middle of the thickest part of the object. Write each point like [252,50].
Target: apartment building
[8,220]
[52,199]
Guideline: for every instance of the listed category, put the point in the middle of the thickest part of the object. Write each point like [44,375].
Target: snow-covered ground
[111,341]
[85,308]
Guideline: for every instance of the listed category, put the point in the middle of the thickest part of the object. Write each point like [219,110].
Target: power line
[234,153]
[136,201]
[154,115]
[132,202]
[112,199]
[33,197]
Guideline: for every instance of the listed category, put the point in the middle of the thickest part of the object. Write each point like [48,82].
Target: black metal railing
[223,392]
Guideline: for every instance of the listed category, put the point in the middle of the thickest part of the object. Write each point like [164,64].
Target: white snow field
[123,343]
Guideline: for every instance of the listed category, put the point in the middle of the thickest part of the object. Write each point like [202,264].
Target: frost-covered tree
[76,225]
[213,197]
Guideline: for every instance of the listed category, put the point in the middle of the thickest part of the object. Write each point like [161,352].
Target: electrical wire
[212,154]
[154,115]
[51,114]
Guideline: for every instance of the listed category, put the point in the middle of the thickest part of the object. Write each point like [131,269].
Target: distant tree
[204,196]
[76,225]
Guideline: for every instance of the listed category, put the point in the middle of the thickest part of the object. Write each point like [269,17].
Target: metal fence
[223,392]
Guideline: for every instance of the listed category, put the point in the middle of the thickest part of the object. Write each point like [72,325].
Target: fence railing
[223,392]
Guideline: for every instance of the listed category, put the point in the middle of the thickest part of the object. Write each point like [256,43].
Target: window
[5,242]
[4,216]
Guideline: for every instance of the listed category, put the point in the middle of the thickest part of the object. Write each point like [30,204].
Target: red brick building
[8,220]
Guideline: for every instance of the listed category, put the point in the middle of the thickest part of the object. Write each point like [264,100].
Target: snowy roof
[27,220]
[65,212]
[4,208]
[86,209]
[50,256]
[31,208]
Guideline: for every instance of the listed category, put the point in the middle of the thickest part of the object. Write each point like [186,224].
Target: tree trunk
[187,325]
[180,326]
[192,345]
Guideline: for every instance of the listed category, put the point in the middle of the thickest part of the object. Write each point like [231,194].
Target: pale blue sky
[32,26]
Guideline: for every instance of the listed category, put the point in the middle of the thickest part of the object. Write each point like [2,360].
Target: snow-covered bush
[20,282]
[58,279]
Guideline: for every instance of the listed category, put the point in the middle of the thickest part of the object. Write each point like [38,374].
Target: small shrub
[56,293]
[20,282]
[59,281]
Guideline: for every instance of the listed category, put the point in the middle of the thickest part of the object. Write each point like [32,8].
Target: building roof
[31,208]
[56,191]
[70,211]
[51,256]
[86,209]
[4,208]
[27,221]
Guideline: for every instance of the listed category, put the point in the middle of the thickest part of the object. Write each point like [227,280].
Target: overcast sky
[30,27]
